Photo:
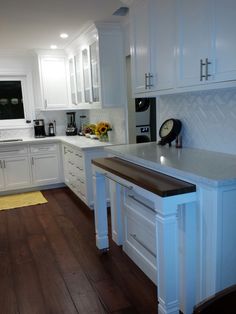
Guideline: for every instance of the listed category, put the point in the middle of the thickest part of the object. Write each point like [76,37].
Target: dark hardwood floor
[49,263]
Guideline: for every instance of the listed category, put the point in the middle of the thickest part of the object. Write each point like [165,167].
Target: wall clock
[169,130]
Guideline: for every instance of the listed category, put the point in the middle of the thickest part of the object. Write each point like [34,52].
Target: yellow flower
[102,128]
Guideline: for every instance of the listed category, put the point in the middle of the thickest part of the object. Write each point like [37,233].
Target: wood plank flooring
[49,263]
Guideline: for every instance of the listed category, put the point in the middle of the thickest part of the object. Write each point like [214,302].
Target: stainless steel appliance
[39,128]
[52,128]
[71,125]
[145,114]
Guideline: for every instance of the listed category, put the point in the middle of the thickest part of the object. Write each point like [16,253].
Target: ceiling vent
[122,11]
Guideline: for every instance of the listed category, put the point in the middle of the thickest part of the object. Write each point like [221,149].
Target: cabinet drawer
[140,204]
[13,150]
[79,160]
[43,148]
[140,234]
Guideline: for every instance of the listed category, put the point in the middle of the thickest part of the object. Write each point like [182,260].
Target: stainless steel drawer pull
[4,164]
[207,70]
[142,203]
[0,164]
[112,179]
[133,235]
[202,64]
[9,151]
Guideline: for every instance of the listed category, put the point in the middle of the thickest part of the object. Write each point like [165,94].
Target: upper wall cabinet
[207,46]
[152,45]
[99,67]
[53,82]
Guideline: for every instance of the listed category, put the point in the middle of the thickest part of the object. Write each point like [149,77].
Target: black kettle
[51,129]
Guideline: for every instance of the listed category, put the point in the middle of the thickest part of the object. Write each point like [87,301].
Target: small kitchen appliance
[71,125]
[39,129]
[52,129]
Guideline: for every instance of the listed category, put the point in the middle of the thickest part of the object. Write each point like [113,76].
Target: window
[16,101]
[11,100]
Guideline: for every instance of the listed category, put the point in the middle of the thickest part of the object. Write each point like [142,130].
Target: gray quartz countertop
[195,165]
[76,141]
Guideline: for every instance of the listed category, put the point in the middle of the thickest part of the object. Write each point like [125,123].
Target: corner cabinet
[99,67]
[152,45]
[53,74]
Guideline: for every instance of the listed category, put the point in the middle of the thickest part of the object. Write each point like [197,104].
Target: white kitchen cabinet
[99,65]
[139,233]
[15,170]
[78,171]
[53,80]
[74,171]
[140,45]
[152,45]
[225,44]
[45,164]
[206,42]
[2,184]
[72,75]
[195,42]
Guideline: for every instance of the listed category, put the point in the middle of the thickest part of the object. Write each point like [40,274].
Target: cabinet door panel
[140,53]
[86,75]
[195,39]
[163,44]
[16,172]
[1,178]
[45,169]
[54,81]
[225,23]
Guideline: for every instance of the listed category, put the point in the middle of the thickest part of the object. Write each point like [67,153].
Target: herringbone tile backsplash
[208,118]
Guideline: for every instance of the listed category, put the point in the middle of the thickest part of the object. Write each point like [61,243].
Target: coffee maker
[39,129]
[71,125]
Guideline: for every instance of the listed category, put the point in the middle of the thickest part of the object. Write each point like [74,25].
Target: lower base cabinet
[139,233]
[14,168]
[26,166]
[78,171]
[45,164]
[15,173]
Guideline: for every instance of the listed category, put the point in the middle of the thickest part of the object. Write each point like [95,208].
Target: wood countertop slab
[151,180]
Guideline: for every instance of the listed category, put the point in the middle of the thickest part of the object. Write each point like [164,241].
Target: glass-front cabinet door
[86,75]
[79,78]
[72,81]
[94,71]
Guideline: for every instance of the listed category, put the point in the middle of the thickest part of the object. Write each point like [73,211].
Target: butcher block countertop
[153,181]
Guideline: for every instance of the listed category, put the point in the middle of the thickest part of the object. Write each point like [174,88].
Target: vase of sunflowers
[101,131]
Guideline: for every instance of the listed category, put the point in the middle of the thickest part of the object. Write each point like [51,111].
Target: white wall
[209,118]
[117,119]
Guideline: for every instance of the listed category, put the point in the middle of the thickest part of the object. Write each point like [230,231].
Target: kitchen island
[205,232]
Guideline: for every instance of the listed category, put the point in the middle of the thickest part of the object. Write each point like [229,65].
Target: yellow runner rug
[21,200]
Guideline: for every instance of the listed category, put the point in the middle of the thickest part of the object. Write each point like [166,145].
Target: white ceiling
[36,24]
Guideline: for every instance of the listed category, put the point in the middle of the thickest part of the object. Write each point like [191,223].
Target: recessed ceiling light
[64,35]
[53,46]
